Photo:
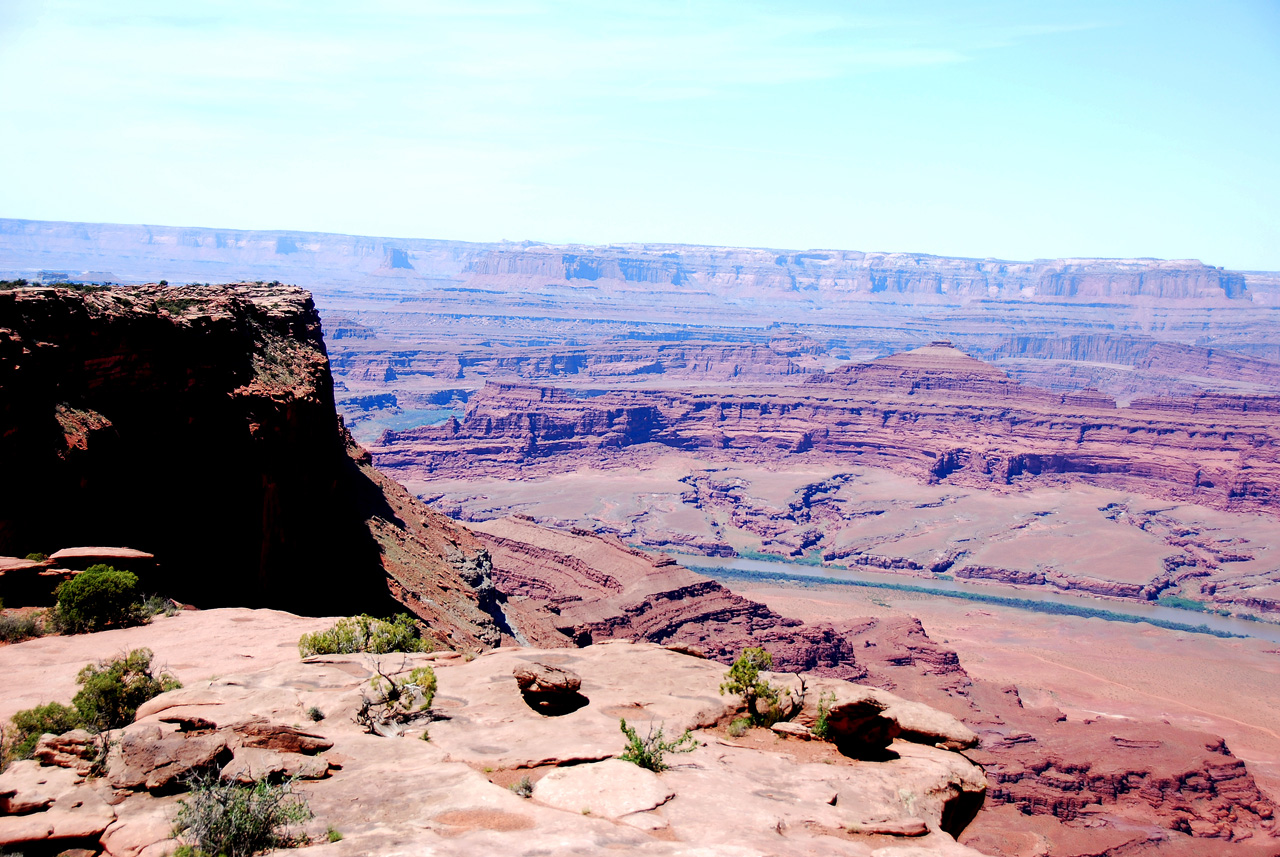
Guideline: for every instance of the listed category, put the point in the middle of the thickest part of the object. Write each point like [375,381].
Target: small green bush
[333,834]
[738,727]
[37,557]
[314,714]
[111,692]
[743,679]
[30,723]
[648,752]
[97,598]
[524,788]
[227,819]
[365,634]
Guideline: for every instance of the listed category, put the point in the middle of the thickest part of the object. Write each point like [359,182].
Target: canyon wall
[933,413]
[731,273]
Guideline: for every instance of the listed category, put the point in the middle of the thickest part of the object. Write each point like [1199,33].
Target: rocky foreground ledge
[763,793]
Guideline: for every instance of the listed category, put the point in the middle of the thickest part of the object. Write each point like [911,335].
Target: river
[941,586]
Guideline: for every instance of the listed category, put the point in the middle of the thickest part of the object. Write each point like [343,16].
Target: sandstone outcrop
[1134,773]
[115,402]
[407,796]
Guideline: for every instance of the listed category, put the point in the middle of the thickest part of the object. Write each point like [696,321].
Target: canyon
[576,417]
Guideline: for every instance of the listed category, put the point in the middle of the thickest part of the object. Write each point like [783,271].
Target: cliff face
[198,424]
[933,413]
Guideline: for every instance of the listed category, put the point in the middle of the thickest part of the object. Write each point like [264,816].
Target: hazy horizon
[996,130]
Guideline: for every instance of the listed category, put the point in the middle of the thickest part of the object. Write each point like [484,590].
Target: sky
[985,129]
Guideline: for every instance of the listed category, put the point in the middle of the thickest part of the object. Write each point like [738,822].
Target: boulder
[27,786]
[787,729]
[153,760]
[267,735]
[250,764]
[549,689]
[924,725]
[76,750]
[149,823]
[42,804]
[609,789]
[865,720]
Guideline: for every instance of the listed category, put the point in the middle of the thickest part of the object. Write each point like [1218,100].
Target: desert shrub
[314,714]
[226,819]
[396,700]
[648,752]
[30,723]
[20,627]
[37,557]
[738,727]
[333,834]
[365,634]
[109,696]
[524,788]
[111,691]
[743,679]
[156,605]
[97,598]
[822,723]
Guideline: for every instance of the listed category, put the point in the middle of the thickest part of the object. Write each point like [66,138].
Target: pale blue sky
[1008,129]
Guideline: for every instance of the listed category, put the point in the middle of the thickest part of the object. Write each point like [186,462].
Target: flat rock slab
[489,723]
[609,789]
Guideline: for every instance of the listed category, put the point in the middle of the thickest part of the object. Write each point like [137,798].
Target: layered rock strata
[590,588]
[932,413]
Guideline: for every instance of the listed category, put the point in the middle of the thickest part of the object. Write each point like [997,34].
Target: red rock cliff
[199,424]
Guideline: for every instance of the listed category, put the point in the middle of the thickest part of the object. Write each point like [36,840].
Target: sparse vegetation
[157,605]
[396,701]
[1181,603]
[766,702]
[37,556]
[364,633]
[524,788]
[648,752]
[743,679]
[822,723]
[738,727]
[20,626]
[6,285]
[174,306]
[226,819]
[332,834]
[315,715]
[109,696]
[98,598]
